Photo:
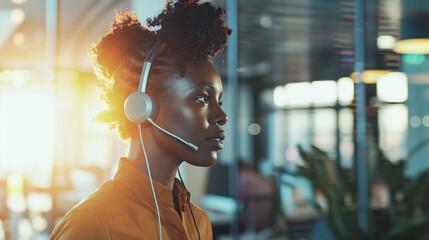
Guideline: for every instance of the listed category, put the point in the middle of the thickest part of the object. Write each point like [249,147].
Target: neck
[163,166]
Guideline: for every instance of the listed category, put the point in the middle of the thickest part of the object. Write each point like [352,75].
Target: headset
[140,107]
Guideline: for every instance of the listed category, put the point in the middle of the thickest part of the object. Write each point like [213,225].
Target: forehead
[196,77]
[204,74]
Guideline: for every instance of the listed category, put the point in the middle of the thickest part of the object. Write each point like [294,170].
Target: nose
[220,117]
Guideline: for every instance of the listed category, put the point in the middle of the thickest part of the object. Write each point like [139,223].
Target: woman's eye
[203,99]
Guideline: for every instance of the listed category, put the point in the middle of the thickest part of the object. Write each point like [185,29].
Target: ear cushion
[139,106]
[155,107]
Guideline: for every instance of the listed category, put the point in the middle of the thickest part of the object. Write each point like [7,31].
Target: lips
[216,140]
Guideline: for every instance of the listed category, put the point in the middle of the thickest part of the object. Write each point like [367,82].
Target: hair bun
[196,31]
[125,36]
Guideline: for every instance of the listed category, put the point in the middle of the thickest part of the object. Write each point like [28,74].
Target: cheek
[191,123]
[187,114]
[182,119]
[196,117]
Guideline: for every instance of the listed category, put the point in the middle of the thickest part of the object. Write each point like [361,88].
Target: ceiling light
[386,42]
[345,90]
[415,45]
[393,87]
[370,76]
[298,94]
[279,96]
[324,92]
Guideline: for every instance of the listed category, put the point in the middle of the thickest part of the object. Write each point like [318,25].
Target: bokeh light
[39,223]
[18,2]
[345,90]
[324,93]
[291,154]
[254,129]
[17,16]
[279,96]
[298,94]
[414,58]
[386,42]
[393,87]
[265,21]
[413,46]
[18,39]
[415,121]
[426,121]
[15,192]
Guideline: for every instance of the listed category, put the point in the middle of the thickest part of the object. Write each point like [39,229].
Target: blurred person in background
[185,90]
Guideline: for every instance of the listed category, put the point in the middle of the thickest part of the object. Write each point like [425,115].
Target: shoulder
[85,220]
[99,203]
[80,224]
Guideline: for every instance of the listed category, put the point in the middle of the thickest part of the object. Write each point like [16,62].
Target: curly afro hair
[198,30]
[194,33]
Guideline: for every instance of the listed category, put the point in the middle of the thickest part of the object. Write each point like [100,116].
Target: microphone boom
[171,134]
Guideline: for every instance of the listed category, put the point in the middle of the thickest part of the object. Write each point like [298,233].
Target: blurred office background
[329,118]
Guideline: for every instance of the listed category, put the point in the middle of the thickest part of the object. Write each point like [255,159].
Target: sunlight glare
[15,192]
[27,132]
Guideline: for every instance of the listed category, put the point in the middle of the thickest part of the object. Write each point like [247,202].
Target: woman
[186,125]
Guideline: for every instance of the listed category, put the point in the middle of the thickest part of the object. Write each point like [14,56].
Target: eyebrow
[207,84]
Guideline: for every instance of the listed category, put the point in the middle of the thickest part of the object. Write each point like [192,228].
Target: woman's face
[191,109]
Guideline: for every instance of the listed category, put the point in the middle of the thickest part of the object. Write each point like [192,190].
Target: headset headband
[150,57]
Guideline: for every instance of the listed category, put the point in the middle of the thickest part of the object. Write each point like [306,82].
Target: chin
[211,163]
[212,159]
[206,161]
